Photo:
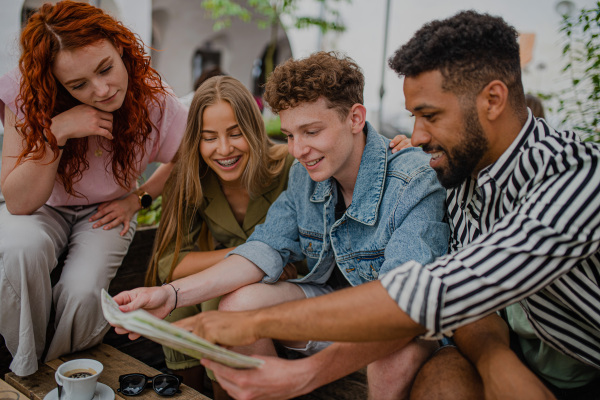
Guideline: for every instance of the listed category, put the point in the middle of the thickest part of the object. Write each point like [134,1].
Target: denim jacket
[396,215]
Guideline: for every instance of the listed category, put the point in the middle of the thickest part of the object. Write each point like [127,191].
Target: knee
[26,243]
[84,297]
[392,376]
[448,375]
[245,298]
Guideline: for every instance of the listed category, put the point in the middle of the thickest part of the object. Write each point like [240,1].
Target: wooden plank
[5,387]
[34,386]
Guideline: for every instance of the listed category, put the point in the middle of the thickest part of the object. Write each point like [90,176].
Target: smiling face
[445,128]
[95,75]
[325,144]
[223,146]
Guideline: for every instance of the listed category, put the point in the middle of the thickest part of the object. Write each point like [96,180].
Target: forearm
[156,182]
[224,277]
[341,359]
[27,186]
[481,337]
[198,261]
[486,344]
[361,314]
[153,186]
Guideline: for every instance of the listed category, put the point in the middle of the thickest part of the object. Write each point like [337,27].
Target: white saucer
[103,392]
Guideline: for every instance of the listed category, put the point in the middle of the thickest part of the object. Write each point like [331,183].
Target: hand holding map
[142,322]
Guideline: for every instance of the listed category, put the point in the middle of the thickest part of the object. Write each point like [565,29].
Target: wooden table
[116,363]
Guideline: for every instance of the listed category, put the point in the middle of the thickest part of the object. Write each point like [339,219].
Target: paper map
[146,324]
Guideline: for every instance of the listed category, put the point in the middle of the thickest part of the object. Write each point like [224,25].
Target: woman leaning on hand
[84,114]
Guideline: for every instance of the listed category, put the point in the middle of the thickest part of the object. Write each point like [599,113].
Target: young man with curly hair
[353,210]
[525,237]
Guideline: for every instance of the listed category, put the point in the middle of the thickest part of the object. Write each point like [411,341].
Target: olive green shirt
[216,213]
[557,368]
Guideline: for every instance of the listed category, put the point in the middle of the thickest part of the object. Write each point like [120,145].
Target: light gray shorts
[311,290]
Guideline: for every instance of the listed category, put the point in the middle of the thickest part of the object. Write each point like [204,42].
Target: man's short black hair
[470,50]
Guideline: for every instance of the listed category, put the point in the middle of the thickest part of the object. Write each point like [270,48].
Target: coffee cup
[9,395]
[77,379]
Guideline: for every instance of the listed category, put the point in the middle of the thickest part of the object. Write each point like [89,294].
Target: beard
[463,158]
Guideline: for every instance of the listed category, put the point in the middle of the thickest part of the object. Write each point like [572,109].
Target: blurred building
[179,32]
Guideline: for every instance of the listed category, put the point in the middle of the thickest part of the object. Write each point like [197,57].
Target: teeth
[310,164]
[229,162]
[436,155]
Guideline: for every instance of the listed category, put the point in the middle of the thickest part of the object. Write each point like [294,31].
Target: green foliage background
[579,105]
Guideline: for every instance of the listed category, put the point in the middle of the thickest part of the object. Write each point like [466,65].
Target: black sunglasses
[163,384]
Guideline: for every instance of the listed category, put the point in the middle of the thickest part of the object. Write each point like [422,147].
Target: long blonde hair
[183,191]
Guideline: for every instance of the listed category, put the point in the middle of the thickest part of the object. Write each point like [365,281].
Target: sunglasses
[163,384]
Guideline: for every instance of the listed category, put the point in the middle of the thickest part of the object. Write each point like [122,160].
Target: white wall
[363,41]
[135,14]
[182,26]
[10,26]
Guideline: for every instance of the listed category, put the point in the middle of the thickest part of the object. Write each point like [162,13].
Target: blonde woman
[227,175]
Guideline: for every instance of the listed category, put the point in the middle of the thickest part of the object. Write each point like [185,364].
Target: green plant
[273,127]
[580,104]
[267,13]
[151,215]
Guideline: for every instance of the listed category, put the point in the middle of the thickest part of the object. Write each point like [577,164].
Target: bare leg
[391,377]
[252,297]
[447,375]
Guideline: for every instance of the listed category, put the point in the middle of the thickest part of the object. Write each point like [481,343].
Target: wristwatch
[144,197]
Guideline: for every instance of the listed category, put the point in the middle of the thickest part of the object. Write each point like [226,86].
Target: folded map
[146,324]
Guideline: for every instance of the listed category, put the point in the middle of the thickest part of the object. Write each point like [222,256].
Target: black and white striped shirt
[528,230]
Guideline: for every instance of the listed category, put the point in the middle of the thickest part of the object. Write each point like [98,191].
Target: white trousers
[29,248]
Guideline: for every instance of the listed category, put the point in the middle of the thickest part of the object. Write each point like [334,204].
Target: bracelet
[176,290]
[59,146]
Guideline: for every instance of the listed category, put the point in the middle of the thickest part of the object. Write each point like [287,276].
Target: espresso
[80,373]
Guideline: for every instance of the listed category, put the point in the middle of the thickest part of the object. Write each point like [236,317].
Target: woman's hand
[400,142]
[81,121]
[116,212]
[158,301]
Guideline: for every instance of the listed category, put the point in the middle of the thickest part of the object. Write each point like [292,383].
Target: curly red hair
[69,25]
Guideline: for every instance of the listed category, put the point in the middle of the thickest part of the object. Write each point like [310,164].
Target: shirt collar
[501,170]
[368,189]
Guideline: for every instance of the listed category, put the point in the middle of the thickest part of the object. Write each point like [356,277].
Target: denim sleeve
[419,230]
[276,242]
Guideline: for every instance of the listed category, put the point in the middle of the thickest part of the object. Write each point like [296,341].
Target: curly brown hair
[70,25]
[330,75]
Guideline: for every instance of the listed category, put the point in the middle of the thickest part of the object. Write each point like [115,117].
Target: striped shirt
[526,230]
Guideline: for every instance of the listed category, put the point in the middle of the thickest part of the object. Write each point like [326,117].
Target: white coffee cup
[78,378]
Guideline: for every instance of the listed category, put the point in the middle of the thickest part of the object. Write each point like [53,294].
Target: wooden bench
[115,363]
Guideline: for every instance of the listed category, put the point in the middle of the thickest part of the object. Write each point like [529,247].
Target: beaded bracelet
[176,290]
[59,146]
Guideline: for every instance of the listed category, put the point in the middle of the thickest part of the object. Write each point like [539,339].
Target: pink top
[97,182]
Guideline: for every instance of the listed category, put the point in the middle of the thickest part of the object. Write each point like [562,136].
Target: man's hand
[275,379]
[486,344]
[222,327]
[400,142]
[158,301]
[116,212]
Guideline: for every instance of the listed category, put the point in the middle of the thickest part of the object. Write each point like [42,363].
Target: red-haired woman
[83,116]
